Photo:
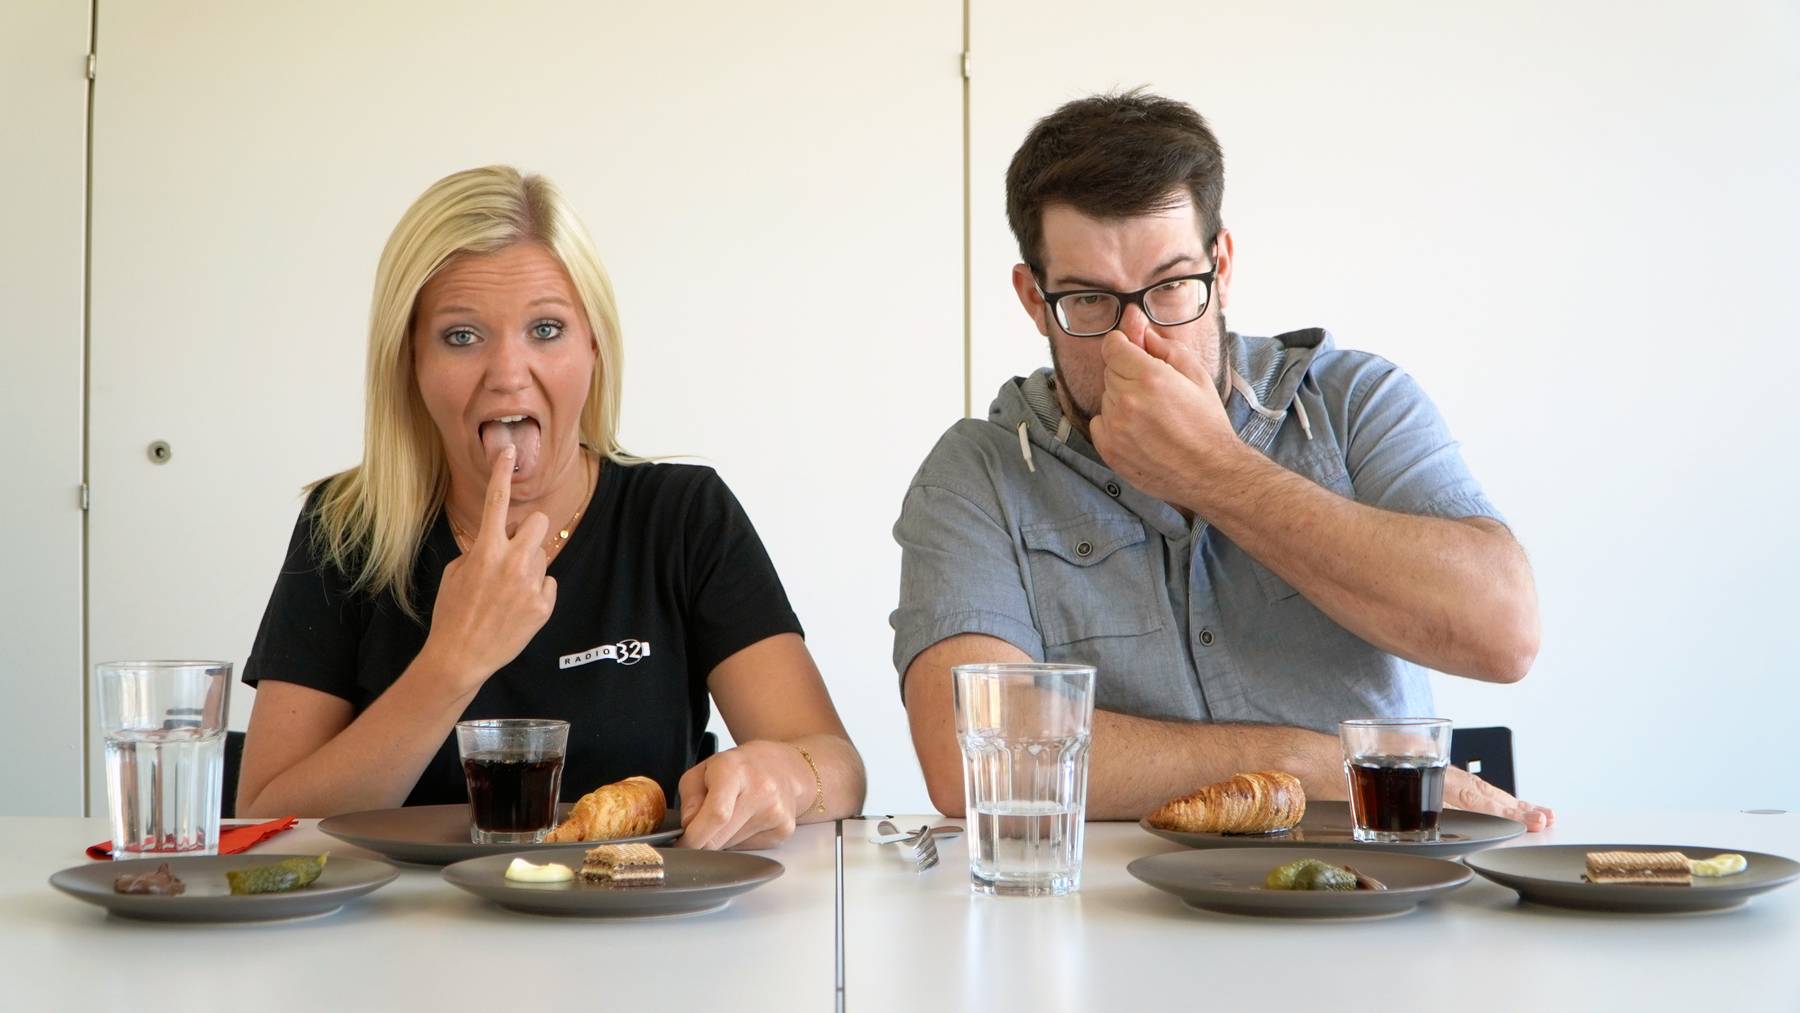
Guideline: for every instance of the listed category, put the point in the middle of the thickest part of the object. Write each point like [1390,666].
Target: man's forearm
[1452,595]
[1136,764]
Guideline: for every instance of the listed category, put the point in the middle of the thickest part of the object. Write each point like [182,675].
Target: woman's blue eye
[545,330]
[459,337]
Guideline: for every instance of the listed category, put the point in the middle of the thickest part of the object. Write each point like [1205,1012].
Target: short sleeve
[735,596]
[959,573]
[1400,454]
[311,630]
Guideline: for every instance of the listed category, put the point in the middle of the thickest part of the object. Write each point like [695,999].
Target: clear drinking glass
[1024,731]
[1395,767]
[164,725]
[513,767]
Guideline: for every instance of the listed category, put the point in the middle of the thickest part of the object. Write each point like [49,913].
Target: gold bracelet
[818,805]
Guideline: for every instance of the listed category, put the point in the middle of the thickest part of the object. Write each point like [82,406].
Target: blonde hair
[371,520]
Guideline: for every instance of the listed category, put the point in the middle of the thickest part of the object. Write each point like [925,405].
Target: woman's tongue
[497,436]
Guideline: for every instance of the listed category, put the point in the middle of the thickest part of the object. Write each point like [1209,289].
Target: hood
[1263,379]
[1263,376]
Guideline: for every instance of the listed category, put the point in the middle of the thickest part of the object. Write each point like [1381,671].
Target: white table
[925,942]
[909,942]
[417,943]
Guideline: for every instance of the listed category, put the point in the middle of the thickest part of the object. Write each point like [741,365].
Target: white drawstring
[1300,413]
[1025,449]
[1242,386]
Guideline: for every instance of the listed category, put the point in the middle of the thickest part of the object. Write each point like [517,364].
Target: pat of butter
[521,871]
[1720,865]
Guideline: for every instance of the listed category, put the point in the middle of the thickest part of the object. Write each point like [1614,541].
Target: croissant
[1258,803]
[622,809]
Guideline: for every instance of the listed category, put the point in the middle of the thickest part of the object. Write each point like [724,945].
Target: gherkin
[1324,876]
[287,874]
[1310,874]
[1282,877]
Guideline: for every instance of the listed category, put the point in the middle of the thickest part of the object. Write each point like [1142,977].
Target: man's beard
[1081,415]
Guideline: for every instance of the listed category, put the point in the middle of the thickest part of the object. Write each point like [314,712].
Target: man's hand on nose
[1160,417]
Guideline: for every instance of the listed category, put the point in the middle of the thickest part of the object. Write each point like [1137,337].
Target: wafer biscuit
[1661,868]
[623,865]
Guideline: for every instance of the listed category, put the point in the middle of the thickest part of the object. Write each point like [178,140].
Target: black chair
[709,744]
[234,760]
[1485,752]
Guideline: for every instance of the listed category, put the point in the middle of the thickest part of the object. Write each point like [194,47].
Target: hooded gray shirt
[1014,528]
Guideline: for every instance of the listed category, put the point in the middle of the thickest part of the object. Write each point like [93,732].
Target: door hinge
[90,66]
[965,65]
[84,496]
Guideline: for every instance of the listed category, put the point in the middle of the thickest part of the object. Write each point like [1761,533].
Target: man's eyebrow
[1066,280]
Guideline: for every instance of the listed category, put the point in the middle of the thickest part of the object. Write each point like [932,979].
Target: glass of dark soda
[513,767]
[1395,768]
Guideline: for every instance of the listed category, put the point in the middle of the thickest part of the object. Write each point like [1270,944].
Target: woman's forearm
[377,759]
[840,773]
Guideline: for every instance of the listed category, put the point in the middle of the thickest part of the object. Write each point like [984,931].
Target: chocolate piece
[160,883]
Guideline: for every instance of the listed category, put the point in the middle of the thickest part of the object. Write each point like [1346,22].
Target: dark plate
[692,881]
[208,897]
[1327,825]
[1551,874]
[439,834]
[1231,880]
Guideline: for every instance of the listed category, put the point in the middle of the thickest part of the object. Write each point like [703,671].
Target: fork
[920,851]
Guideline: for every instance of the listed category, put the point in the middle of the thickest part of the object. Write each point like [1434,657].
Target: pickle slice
[1324,876]
[1282,877]
[287,874]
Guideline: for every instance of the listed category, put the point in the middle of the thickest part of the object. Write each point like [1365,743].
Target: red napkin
[232,839]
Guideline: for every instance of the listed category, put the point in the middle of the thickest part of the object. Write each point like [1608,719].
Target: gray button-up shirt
[1035,541]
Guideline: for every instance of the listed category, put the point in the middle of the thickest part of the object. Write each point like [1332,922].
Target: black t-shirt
[663,578]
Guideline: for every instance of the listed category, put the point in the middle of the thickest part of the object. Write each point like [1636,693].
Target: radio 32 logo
[629,651]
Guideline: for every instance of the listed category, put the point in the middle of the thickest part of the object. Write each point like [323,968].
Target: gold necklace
[562,535]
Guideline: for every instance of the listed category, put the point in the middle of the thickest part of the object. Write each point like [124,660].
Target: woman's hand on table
[1463,790]
[495,596]
[747,797]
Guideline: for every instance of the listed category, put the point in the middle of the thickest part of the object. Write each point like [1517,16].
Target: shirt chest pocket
[1091,577]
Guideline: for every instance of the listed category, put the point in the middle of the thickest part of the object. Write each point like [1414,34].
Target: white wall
[1574,222]
[43,152]
[1577,224]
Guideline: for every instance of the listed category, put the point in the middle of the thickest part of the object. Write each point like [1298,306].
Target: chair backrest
[709,744]
[234,760]
[1486,753]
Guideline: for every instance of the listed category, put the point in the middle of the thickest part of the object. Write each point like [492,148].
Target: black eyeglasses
[1089,313]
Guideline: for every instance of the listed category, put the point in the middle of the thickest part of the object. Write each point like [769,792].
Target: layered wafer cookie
[1663,868]
[623,865]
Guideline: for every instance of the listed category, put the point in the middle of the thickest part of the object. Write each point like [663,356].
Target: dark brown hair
[1113,156]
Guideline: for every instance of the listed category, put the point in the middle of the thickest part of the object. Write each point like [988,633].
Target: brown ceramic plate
[439,834]
[1327,825]
[208,897]
[692,881]
[1551,874]
[1231,880]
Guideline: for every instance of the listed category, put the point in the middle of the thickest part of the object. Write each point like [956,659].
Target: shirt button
[1084,550]
[1112,489]
[1206,638]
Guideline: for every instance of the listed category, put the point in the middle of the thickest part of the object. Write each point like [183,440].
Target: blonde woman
[497,554]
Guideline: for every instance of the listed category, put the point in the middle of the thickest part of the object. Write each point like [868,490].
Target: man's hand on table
[1463,790]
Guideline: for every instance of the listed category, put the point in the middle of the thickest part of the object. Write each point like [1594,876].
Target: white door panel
[43,134]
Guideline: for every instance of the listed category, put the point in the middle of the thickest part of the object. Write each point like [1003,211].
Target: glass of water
[1024,731]
[164,723]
